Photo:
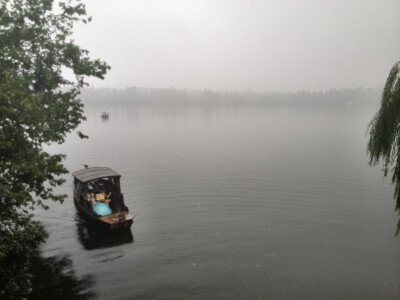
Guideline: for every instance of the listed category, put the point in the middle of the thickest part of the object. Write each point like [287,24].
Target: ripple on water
[254,202]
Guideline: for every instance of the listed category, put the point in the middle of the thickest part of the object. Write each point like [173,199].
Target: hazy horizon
[234,46]
[227,92]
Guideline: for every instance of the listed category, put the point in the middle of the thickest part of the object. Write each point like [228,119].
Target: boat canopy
[90,174]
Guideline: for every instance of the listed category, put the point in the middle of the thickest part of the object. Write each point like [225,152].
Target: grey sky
[237,45]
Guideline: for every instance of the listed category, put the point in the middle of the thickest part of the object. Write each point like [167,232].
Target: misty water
[231,202]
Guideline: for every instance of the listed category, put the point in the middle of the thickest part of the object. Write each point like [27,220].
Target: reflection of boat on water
[105,115]
[92,238]
[98,197]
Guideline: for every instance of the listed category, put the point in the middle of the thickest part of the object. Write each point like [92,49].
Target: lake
[230,202]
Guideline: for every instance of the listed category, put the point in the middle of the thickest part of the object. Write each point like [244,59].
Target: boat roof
[89,174]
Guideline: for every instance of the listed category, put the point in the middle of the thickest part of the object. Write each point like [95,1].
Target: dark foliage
[37,106]
[384,133]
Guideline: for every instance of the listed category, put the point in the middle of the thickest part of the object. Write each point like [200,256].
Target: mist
[261,46]
[225,155]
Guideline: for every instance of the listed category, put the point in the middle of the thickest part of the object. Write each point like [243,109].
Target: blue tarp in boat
[102,209]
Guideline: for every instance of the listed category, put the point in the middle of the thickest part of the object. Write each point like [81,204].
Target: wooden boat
[92,238]
[100,187]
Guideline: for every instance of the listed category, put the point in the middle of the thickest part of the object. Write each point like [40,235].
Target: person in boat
[99,192]
[92,199]
[101,196]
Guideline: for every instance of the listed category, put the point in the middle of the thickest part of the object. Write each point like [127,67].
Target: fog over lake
[240,45]
[232,201]
[239,129]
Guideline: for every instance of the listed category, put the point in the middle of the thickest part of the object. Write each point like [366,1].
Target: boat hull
[114,221]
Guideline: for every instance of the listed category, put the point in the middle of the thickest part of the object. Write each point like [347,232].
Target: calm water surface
[243,202]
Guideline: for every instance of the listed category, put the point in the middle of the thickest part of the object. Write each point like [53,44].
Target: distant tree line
[139,96]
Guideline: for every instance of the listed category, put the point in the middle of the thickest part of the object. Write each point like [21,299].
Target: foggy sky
[238,45]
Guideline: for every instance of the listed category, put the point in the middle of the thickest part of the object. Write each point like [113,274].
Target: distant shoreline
[152,96]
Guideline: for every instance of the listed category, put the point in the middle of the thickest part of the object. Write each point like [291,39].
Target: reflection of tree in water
[92,238]
[54,278]
[398,228]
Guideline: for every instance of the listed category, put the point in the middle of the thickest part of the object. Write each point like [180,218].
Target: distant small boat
[98,197]
[105,115]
